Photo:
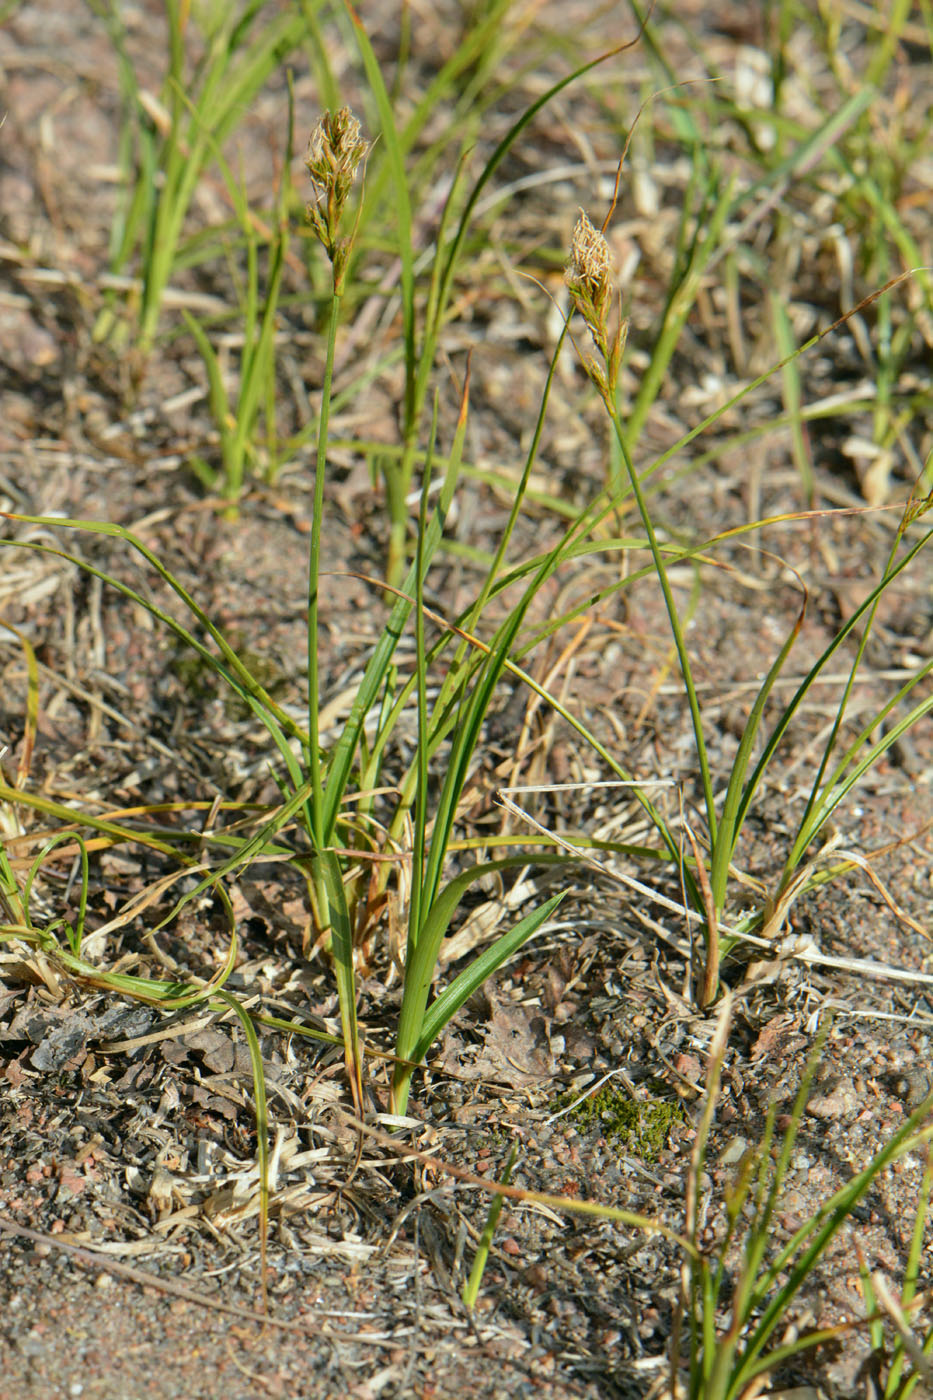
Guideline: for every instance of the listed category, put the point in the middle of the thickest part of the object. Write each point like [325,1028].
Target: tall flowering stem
[336,151]
[589,281]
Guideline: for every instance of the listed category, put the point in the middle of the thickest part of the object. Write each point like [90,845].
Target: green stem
[319,836]
[674,618]
[315,817]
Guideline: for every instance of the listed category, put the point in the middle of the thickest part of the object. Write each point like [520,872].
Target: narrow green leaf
[472,978]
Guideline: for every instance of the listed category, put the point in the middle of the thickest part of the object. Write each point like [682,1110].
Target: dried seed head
[588,277]
[336,150]
[590,260]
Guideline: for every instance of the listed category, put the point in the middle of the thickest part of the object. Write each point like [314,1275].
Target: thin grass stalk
[822,1227]
[683,655]
[250,850]
[114,833]
[265,349]
[168,995]
[317,823]
[876,1326]
[809,827]
[159,243]
[421,679]
[466,734]
[134,134]
[909,1288]
[853,672]
[468,56]
[472,1286]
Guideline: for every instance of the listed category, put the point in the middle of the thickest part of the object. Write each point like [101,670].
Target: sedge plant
[310,828]
[844,761]
[732,1328]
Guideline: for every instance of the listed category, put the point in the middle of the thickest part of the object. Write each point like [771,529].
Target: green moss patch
[642,1127]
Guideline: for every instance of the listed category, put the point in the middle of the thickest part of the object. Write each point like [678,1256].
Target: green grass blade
[342,949]
[736,798]
[841,782]
[344,752]
[472,1285]
[472,978]
[819,665]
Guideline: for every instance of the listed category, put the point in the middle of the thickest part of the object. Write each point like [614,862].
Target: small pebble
[734,1151]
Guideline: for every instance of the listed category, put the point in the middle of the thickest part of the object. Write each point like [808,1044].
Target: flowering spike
[589,280]
[336,150]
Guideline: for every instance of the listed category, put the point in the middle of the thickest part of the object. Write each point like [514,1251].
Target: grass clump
[218,57]
[731,1328]
[707,878]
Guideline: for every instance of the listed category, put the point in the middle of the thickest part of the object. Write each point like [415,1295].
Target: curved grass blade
[230,668]
[445,1006]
